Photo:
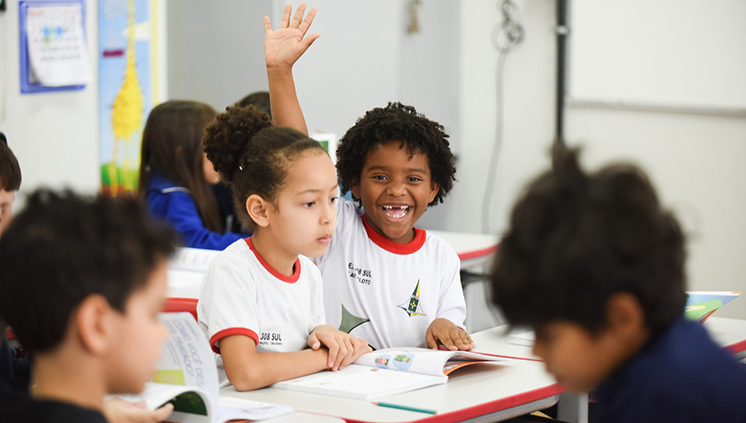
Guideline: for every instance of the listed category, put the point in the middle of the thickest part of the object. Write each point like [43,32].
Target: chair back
[174,305]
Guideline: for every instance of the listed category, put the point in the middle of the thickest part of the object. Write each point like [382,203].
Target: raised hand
[283,47]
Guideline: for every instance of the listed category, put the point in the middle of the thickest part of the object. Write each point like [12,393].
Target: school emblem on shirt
[350,321]
[412,307]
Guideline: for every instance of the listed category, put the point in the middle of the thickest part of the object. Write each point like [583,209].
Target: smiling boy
[385,281]
[595,265]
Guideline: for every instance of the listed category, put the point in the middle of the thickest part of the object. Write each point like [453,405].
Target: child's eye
[380,177]
[415,179]
[309,205]
[333,200]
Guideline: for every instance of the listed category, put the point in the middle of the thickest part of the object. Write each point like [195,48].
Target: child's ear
[93,322]
[355,189]
[257,206]
[434,188]
[625,316]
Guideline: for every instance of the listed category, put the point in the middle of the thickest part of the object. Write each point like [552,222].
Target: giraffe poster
[125,90]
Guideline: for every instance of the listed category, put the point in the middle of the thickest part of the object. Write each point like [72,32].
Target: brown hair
[10,172]
[172,146]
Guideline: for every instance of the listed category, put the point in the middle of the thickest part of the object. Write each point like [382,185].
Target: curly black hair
[577,238]
[396,122]
[251,154]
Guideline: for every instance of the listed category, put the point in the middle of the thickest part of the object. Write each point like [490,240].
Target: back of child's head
[172,147]
[396,122]
[252,155]
[576,239]
[10,172]
[259,99]
[63,248]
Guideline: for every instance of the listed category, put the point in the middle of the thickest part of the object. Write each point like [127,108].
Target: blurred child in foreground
[595,265]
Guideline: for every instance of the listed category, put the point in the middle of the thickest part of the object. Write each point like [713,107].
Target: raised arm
[282,48]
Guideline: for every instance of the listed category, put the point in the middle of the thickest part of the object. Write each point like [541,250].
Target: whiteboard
[669,53]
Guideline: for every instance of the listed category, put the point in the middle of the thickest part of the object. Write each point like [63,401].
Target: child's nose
[396,189]
[329,214]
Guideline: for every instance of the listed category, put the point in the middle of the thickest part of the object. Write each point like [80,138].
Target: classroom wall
[54,135]
[695,161]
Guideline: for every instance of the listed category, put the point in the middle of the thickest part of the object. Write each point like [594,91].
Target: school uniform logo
[412,307]
[350,321]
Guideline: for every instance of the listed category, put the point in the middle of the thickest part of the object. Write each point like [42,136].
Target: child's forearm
[283,99]
[265,368]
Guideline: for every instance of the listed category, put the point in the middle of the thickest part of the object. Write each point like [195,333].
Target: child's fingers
[341,354]
[306,23]
[162,413]
[430,340]
[333,351]
[306,43]
[298,18]
[464,341]
[350,354]
[313,341]
[448,342]
[267,26]
[286,16]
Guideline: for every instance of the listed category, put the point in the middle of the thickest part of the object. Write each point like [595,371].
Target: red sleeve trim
[289,279]
[230,332]
[393,247]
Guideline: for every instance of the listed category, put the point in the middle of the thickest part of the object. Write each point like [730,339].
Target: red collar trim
[393,247]
[289,279]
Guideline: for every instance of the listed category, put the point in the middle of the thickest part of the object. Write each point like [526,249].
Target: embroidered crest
[412,307]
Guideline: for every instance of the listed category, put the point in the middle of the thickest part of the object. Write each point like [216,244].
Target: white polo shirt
[243,295]
[384,292]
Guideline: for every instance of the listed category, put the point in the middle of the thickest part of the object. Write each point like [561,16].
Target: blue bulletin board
[28,84]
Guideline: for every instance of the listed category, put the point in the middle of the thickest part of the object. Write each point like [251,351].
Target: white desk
[475,393]
[298,417]
[728,333]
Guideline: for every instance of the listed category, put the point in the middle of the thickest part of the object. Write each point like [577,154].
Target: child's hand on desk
[118,410]
[443,331]
[343,348]
[284,46]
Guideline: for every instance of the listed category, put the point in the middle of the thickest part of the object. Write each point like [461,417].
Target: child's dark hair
[575,239]
[172,147]
[252,155]
[396,122]
[63,248]
[10,172]
[259,99]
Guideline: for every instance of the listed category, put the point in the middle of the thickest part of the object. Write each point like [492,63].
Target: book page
[356,381]
[420,360]
[186,358]
[230,408]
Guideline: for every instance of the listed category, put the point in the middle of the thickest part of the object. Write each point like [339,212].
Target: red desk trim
[477,253]
[736,348]
[488,407]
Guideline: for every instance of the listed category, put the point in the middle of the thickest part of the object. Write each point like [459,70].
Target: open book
[701,304]
[387,372]
[187,377]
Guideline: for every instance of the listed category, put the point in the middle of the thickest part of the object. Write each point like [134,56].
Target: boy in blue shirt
[595,266]
[83,281]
